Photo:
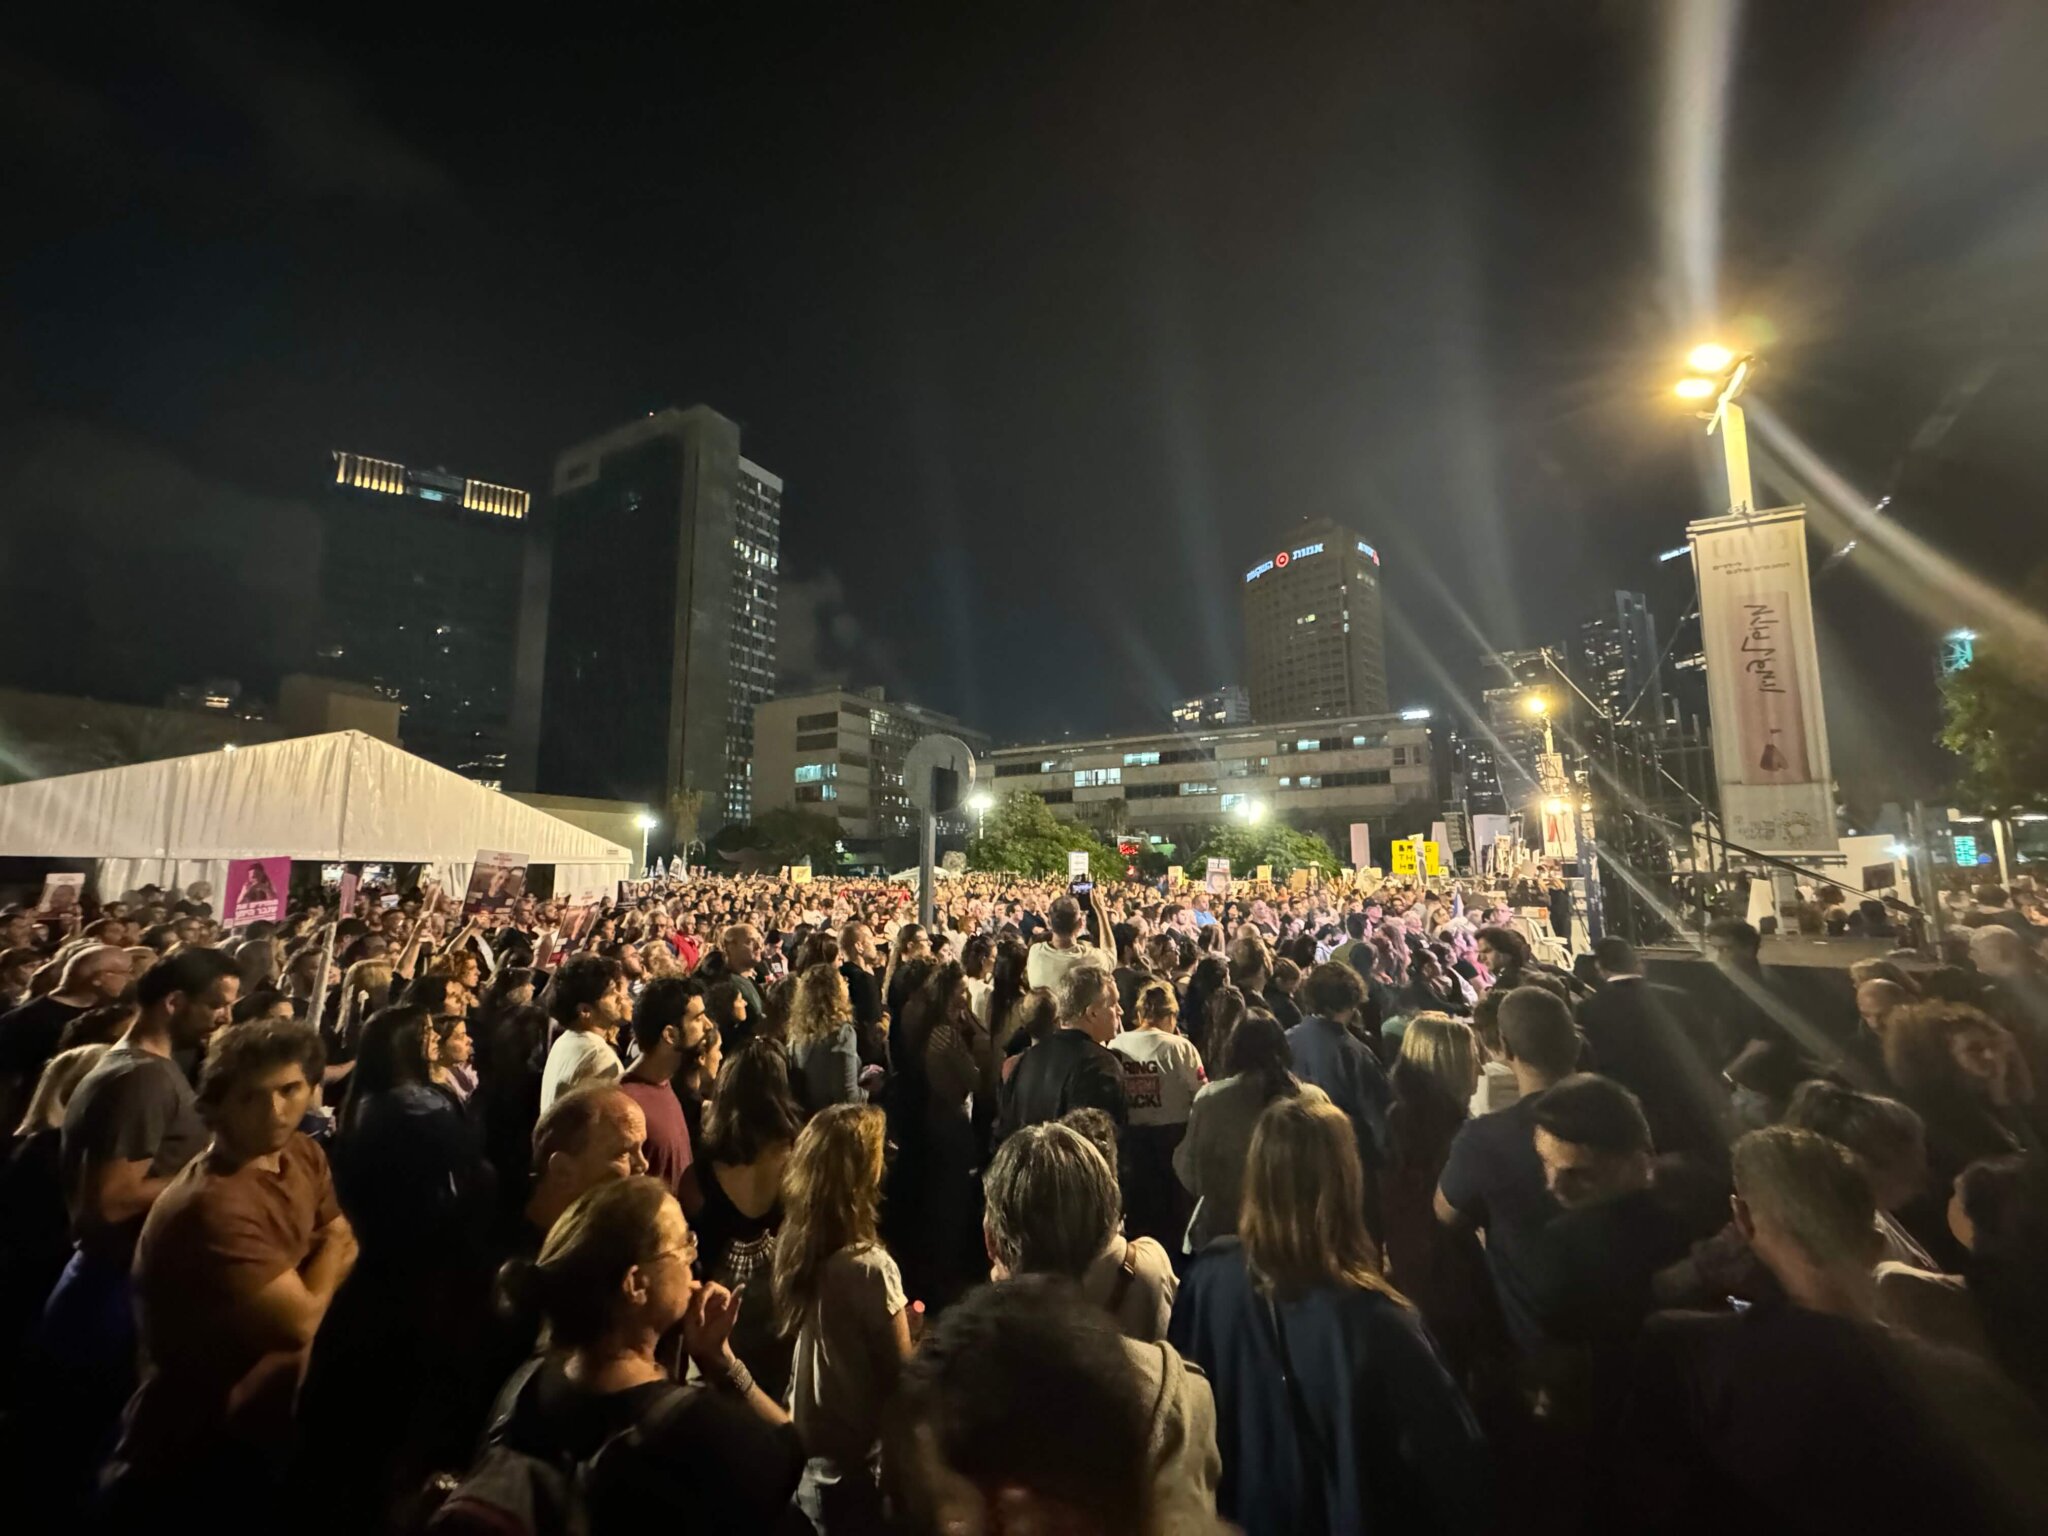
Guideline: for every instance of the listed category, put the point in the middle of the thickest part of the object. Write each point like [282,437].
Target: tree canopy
[1271,842]
[1995,716]
[1022,836]
[791,835]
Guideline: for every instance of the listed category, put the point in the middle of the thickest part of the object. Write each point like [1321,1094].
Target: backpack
[515,1489]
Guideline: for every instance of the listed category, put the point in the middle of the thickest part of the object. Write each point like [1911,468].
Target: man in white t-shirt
[1162,1074]
[1048,963]
[589,999]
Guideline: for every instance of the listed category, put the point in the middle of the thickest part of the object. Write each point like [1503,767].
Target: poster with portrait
[62,894]
[256,891]
[1218,880]
[496,881]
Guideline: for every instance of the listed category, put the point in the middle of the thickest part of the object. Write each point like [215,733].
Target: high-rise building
[1514,730]
[1229,705]
[1615,660]
[1314,635]
[661,614]
[841,752]
[757,562]
[421,573]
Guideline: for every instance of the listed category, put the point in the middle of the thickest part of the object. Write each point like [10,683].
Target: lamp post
[981,802]
[1719,375]
[646,824]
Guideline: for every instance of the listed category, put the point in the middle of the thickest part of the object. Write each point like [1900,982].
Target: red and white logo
[1282,558]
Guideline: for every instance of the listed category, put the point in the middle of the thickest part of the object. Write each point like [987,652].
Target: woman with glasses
[716,1454]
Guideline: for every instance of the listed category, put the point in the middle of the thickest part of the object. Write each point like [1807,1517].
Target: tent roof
[339,796]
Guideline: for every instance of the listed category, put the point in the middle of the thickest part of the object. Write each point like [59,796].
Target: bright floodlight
[1709,358]
[981,800]
[1697,389]
[1417,713]
[1537,705]
[644,822]
[1251,811]
[1553,806]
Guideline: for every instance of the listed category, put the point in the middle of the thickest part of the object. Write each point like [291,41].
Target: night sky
[1052,321]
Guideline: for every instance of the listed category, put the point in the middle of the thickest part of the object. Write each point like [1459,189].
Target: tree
[1271,842]
[1021,836]
[793,835]
[1995,716]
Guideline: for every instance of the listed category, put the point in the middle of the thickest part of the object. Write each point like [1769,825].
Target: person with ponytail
[838,1290]
[716,1454]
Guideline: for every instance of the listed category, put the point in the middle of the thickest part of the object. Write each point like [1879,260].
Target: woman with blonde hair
[1333,1410]
[365,989]
[838,1290]
[822,1046]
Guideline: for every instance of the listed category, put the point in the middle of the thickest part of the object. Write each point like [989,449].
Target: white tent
[343,796]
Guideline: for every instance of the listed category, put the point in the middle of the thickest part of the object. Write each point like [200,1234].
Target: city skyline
[1041,378]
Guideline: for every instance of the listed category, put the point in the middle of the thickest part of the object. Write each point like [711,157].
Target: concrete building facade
[1315,637]
[840,751]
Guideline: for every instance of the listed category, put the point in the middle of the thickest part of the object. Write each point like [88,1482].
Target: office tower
[1614,659]
[661,614]
[1514,731]
[757,558]
[1314,637]
[421,573]
[841,752]
[1229,705]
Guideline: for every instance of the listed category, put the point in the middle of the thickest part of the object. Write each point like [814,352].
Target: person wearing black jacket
[1647,1038]
[1072,1068]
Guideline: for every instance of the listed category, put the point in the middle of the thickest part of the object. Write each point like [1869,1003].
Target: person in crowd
[1053,1205]
[1493,1179]
[1497,1089]
[1334,1409]
[944,1066]
[737,959]
[131,1124]
[1890,1142]
[1645,1037]
[1022,1412]
[236,1266]
[1999,1216]
[1251,972]
[94,975]
[1505,955]
[17,965]
[733,1197]
[1073,1066]
[612,1281]
[823,1045]
[507,1099]
[588,998]
[1258,1069]
[1048,963]
[413,1182]
[1972,1085]
[589,1135]
[838,1290]
[1594,1264]
[451,1053]
[726,1004]
[1210,977]
[33,1212]
[1162,1074]
[1221,1015]
[669,1026]
[861,966]
[1877,999]
[1008,987]
[1328,1054]
[910,953]
[1805,1413]
[1441,1270]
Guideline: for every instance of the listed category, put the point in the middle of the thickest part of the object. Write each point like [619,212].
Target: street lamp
[646,824]
[1718,375]
[1251,811]
[981,802]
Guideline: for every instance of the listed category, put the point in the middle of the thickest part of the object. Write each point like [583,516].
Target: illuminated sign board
[1282,560]
[1966,850]
[1369,552]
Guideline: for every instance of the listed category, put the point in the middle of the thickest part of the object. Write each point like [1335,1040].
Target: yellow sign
[1173,874]
[1263,872]
[800,874]
[1371,877]
[1298,881]
[1433,860]
[1404,859]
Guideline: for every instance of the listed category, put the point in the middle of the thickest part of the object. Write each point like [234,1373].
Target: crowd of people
[743,1205]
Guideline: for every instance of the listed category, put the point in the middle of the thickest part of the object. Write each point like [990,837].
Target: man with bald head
[587,1136]
[96,975]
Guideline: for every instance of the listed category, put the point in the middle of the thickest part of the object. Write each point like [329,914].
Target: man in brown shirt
[235,1268]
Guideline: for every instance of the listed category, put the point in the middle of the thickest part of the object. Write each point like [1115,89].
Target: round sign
[929,753]
[1282,558]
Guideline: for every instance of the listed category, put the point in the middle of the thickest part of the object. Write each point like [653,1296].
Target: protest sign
[1219,877]
[61,895]
[496,880]
[256,891]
